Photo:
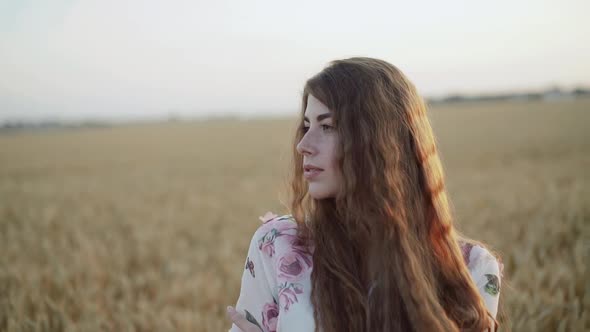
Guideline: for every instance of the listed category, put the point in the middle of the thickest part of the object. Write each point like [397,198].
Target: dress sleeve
[256,301]
[487,273]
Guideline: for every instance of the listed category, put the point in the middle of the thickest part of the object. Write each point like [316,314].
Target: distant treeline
[552,94]
[46,125]
[549,94]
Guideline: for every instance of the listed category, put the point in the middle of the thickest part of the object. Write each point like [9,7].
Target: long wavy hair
[386,254]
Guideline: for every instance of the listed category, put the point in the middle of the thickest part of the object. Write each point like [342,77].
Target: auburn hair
[386,254]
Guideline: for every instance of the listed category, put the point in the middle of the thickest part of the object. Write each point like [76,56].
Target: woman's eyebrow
[320,117]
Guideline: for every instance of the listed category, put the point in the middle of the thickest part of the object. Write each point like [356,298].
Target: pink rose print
[270,315]
[267,217]
[288,294]
[294,263]
[266,242]
[466,250]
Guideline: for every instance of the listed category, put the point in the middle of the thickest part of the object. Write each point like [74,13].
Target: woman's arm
[486,271]
[256,302]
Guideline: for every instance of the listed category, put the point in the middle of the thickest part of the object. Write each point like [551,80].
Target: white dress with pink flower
[276,284]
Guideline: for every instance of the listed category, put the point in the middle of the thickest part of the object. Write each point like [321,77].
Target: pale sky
[138,58]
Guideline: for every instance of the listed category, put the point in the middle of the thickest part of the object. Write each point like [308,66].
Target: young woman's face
[318,147]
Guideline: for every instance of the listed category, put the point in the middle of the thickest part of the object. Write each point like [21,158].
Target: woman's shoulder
[271,218]
[486,270]
[485,267]
[477,255]
[274,233]
[276,223]
[281,248]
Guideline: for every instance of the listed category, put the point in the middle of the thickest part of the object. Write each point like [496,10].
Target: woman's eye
[324,128]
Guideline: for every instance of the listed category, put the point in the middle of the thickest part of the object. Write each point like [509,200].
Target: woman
[370,244]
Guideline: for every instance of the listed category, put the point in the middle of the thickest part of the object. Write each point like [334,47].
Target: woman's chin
[318,193]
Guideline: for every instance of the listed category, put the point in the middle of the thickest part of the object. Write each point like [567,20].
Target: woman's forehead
[316,109]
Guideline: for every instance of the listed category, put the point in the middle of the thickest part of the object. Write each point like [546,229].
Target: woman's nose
[303,147]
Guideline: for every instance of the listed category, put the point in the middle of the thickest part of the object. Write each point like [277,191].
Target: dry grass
[145,227]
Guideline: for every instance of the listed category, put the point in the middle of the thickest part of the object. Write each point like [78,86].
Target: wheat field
[146,227]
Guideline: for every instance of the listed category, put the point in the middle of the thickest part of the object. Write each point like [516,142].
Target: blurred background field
[145,227]
[141,140]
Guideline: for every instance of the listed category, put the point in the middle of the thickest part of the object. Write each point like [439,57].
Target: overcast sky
[140,58]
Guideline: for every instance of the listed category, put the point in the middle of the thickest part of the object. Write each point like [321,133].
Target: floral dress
[276,283]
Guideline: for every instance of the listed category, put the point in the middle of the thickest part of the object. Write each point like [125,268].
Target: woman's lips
[311,173]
